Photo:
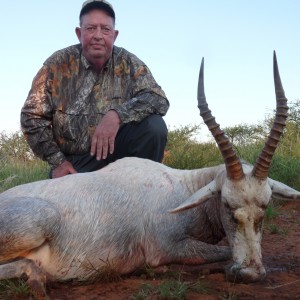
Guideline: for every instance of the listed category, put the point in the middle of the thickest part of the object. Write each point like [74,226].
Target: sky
[236,38]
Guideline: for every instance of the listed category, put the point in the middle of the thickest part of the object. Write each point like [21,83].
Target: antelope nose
[247,274]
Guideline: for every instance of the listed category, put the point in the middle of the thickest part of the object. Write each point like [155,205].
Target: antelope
[135,212]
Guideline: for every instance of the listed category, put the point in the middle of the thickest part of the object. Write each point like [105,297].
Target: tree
[294,112]
[244,134]
[14,146]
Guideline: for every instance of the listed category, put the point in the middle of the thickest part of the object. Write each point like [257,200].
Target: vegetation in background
[17,162]
[184,150]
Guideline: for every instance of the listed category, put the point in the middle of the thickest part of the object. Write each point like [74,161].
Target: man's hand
[103,140]
[63,169]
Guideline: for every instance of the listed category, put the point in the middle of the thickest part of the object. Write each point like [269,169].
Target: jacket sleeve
[147,96]
[36,119]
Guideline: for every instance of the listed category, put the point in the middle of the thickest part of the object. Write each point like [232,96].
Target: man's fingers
[100,149]
[94,145]
[111,145]
[105,146]
[72,170]
[103,140]
[63,169]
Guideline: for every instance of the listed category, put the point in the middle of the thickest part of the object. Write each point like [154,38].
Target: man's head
[97,32]
[100,4]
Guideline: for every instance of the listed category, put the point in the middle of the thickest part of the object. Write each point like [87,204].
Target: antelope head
[245,191]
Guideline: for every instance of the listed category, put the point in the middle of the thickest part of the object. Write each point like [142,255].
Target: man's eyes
[104,29]
[91,28]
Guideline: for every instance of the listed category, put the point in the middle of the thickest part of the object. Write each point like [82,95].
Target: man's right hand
[63,169]
[103,140]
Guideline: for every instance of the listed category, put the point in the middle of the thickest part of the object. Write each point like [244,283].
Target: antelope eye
[234,218]
[258,224]
[263,206]
[231,207]
[230,212]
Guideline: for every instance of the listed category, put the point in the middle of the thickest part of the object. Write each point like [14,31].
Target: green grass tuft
[15,289]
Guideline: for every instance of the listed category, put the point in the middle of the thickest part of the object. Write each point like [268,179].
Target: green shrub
[193,156]
[287,170]
[17,162]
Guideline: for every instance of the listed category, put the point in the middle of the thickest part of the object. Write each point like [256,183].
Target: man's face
[97,36]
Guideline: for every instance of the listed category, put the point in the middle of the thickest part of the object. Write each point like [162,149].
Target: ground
[281,256]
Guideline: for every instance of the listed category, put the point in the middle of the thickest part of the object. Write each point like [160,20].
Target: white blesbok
[136,212]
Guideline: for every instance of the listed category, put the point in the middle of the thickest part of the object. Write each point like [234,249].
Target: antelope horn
[232,162]
[262,165]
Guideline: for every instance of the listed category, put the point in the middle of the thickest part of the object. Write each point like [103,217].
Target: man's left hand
[103,140]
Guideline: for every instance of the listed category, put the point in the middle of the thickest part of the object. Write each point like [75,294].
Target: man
[94,102]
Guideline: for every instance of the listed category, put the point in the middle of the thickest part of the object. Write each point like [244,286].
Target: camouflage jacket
[68,99]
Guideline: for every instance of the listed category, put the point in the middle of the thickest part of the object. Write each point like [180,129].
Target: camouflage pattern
[68,99]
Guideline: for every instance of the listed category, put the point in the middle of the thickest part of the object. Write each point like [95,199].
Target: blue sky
[236,38]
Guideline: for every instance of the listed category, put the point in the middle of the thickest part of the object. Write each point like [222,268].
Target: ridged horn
[262,165]
[232,162]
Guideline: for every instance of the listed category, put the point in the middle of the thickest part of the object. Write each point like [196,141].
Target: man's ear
[116,34]
[78,33]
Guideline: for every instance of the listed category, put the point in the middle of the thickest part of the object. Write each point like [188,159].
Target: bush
[287,170]
[17,162]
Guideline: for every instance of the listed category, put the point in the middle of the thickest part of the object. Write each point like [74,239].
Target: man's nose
[98,33]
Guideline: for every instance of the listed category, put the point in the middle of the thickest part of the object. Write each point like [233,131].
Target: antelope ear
[282,191]
[197,198]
